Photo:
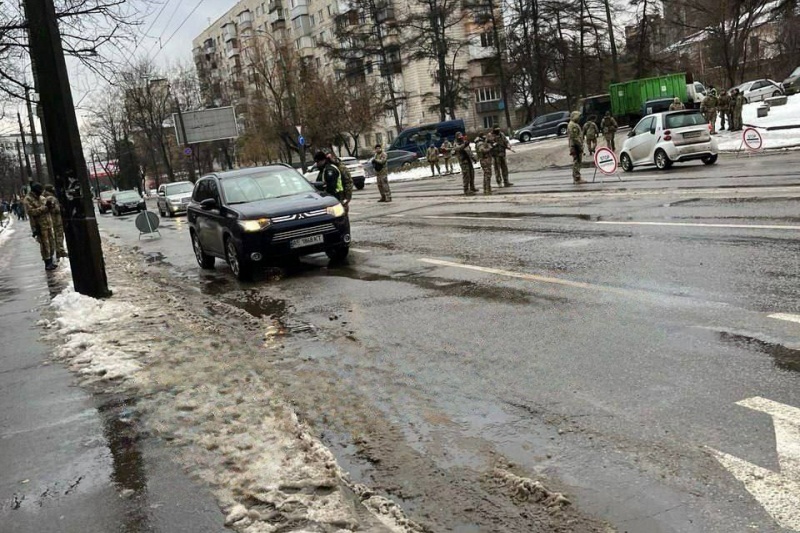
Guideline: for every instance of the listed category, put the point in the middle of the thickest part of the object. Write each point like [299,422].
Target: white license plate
[306,241]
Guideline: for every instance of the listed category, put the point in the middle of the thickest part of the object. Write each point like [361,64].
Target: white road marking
[529,277]
[360,250]
[696,225]
[395,216]
[469,218]
[786,316]
[777,492]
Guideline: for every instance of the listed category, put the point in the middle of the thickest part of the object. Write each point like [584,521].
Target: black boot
[49,264]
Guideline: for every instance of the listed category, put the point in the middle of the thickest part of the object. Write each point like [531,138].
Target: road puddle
[784,357]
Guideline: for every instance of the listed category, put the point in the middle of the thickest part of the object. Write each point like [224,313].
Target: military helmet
[575,116]
[677,100]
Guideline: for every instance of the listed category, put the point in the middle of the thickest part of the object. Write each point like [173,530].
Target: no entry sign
[752,139]
[606,161]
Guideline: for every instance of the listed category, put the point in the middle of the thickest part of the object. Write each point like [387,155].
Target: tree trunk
[610,22]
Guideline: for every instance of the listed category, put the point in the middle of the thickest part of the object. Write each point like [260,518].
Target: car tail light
[668,135]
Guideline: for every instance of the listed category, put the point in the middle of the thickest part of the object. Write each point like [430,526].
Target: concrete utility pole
[22,175]
[68,163]
[37,159]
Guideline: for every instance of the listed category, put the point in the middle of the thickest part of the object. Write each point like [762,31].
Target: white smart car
[666,138]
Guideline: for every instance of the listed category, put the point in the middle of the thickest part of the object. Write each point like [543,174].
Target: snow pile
[779,116]
[6,230]
[82,321]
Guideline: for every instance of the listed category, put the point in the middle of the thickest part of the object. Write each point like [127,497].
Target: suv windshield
[178,188]
[795,72]
[683,120]
[127,197]
[255,187]
[106,195]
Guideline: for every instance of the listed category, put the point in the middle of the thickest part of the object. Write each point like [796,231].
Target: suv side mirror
[631,133]
[162,193]
[209,203]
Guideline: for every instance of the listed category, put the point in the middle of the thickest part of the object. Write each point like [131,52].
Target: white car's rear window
[684,120]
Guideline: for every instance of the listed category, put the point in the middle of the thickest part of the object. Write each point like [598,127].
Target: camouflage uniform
[677,105]
[724,106]
[347,184]
[466,159]
[499,146]
[447,153]
[58,224]
[609,127]
[484,148]
[709,109]
[590,132]
[383,176]
[575,139]
[432,155]
[738,104]
[39,213]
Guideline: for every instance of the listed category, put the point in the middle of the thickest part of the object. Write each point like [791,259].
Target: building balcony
[488,107]
[274,5]
[245,20]
[233,52]
[228,32]
[299,8]
[209,46]
[305,46]
[481,52]
[279,15]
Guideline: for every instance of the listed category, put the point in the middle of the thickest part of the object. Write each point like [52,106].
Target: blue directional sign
[301,140]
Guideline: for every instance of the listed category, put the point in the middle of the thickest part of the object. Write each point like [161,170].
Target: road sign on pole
[301,140]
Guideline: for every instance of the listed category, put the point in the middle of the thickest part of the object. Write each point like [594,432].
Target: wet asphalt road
[599,336]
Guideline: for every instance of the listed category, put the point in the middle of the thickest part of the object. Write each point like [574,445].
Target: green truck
[631,100]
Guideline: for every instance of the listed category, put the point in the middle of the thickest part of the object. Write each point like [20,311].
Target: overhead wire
[166,24]
[147,31]
[185,20]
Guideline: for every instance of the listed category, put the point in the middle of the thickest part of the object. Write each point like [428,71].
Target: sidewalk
[69,461]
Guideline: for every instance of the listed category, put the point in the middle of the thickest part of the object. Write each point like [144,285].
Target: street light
[192,176]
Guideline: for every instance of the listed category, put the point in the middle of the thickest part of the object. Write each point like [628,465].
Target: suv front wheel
[239,265]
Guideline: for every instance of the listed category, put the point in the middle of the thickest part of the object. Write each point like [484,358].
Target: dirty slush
[245,411]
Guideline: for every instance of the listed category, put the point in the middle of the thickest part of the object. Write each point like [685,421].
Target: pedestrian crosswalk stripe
[786,316]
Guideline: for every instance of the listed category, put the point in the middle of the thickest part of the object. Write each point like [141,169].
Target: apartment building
[221,60]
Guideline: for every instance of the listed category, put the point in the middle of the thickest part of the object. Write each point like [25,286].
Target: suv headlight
[336,211]
[255,225]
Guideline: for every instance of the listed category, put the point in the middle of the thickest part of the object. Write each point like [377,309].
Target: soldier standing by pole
[58,224]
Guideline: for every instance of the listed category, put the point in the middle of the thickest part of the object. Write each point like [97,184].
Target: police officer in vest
[329,174]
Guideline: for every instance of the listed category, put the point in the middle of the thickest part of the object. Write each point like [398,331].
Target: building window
[379,138]
[319,15]
[319,62]
[389,136]
[491,121]
[487,94]
[368,67]
[330,12]
[367,140]
[487,39]
[489,68]
[362,17]
[313,20]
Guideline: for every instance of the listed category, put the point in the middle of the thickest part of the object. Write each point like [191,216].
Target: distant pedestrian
[466,159]
[432,155]
[709,109]
[485,156]
[724,108]
[590,131]
[609,127]
[447,154]
[677,105]
[380,163]
[575,139]
[500,145]
[58,225]
[38,209]
[738,105]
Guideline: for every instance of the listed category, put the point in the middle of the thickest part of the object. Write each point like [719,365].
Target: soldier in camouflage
[575,139]
[724,106]
[432,155]
[677,105]
[58,224]
[709,109]
[738,104]
[38,209]
[380,164]
[609,127]
[447,154]
[590,131]
[499,146]
[466,159]
[485,149]
[347,182]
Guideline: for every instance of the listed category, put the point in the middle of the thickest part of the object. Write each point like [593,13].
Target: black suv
[542,126]
[250,216]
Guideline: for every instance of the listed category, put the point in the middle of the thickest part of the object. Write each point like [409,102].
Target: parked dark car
[250,217]
[417,138]
[104,201]
[544,125]
[791,84]
[396,160]
[126,202]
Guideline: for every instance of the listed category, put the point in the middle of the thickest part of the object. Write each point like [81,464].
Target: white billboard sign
[207,125]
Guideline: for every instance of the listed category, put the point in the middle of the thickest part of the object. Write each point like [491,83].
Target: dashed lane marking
[786,316]
[530,277]
[696,225]
[360,250]
[447,217]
